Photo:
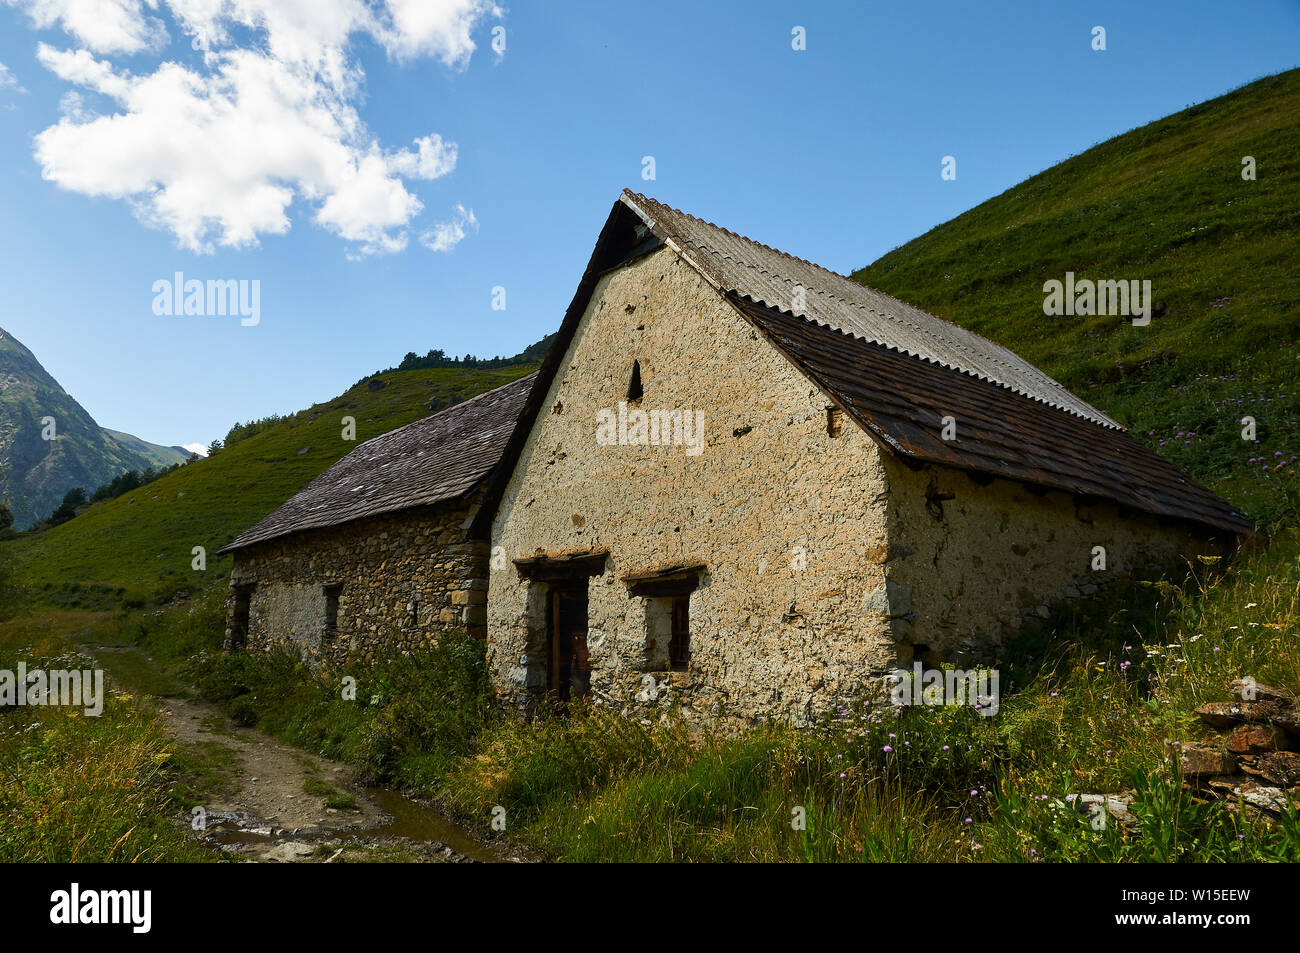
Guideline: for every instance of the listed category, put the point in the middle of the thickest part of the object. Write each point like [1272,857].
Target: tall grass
[75,787]
[1087,707]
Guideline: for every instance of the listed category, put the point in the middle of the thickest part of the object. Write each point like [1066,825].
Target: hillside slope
[155,454]
[1165,203]
[139,545]
[36,472]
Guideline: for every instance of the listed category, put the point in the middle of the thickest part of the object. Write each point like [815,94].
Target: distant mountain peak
[49,443]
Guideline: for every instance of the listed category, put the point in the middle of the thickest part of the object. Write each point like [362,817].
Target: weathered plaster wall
[965,570]
[406,578]
[771,634]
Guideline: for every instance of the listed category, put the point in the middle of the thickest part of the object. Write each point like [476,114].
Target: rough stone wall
[787,519]
[406,579]
[969,562]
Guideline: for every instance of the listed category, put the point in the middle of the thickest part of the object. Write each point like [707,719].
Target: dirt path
[273,801]
[268,800]
[270,773]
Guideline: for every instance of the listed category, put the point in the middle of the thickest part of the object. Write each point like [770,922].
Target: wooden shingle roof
[901,402]
[432,460]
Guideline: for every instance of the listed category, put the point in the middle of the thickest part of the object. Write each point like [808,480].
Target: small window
[834,421]
[679,647]
[634,389]
[668,638]
[332,594]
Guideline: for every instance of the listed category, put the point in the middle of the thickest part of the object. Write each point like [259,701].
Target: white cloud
[198,448]
[442,29]
[105,26]
[9,81]
[447,235]
[433,159]
[219,153]
[81,69]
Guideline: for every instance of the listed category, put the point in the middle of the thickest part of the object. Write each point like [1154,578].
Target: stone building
[745,485]
[387,548]
[740,484]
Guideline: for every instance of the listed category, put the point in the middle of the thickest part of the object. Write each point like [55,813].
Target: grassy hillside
[139,545]
[154,454]
[1165,202]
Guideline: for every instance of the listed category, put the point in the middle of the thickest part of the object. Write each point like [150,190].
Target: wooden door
[569,669]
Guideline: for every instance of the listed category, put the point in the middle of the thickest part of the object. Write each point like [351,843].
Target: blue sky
[322,154]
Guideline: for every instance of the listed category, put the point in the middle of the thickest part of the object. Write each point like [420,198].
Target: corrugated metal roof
[745,267]
[902,401]
[437,458]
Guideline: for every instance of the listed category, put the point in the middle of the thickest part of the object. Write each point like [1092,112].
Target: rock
[1262,798]
[1197,760]
[1249,690]
[1289,721]
[1253,739]
[1279,767]
[1225,715]
[1109,805]
[289,852]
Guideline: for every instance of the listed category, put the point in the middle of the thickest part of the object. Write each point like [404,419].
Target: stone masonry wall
[785,517]
[406,579]
[968,562]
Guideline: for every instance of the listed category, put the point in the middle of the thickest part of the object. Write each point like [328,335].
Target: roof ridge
[967,349]
[829,271]
[815,322]
[459,405]
[744,238]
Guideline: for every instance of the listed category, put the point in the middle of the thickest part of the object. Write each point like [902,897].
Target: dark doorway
[242,596]
[568,666]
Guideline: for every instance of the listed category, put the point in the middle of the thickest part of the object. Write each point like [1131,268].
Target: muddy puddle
[404,822]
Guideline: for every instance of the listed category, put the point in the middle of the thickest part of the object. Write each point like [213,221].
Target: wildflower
[886,748]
